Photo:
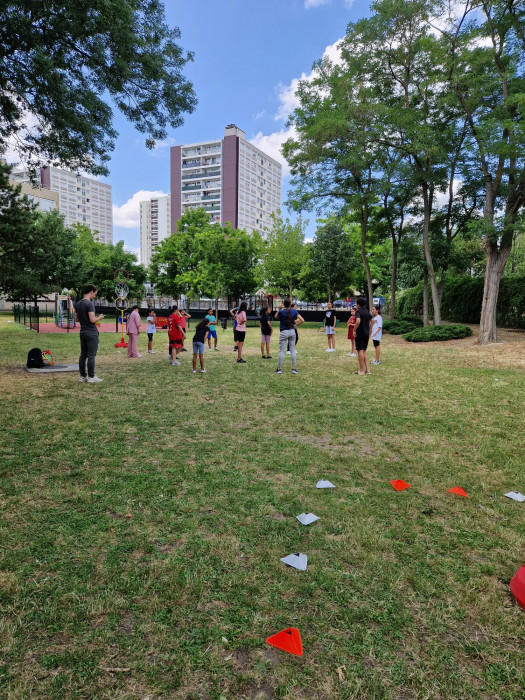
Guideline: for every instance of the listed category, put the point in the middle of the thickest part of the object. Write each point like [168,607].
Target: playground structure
[121,277]
[64,311]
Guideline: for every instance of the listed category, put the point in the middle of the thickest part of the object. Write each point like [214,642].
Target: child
[351,331]
[329,327]
[183,316]
[176,335]
[377,333]
[201,333]
[240,330]
[288,351]
[265,325]
[151,330]
[212,332]
[233,313]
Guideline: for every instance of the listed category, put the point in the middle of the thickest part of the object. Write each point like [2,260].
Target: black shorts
[377,343]
[150,337]
[361,343]
[239,336]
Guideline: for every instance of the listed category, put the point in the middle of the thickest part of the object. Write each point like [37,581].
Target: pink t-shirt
[240,317]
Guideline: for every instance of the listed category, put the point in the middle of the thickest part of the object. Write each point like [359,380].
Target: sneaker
[268,357]
[294,371]
[350,354]
[93,380]
[139,355]
[203,370]
[216,349]
[278,371]
[176,362]
[234,348]
[194,371]
[184,350]
[288,352]
[263,357]
[82,379]
[378,362]
[151,352]
[328,350]
[241,361]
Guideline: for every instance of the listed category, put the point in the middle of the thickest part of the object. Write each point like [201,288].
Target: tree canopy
[61,64]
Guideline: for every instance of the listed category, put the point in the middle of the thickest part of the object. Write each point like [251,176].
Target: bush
[398,327]
[417,321]
[430,333]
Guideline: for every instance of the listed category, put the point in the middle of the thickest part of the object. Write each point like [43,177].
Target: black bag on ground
[34,358]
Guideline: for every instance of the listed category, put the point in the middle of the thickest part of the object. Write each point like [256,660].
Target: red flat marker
[288,640]
[458,491]
[517,586]
[400,485]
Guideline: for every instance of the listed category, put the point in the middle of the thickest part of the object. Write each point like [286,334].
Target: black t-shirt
[200,334]
[83,307]
[363,330]
[265,326]
[330,318]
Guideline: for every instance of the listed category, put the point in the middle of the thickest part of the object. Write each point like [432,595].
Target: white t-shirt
[378,323]
[151,325]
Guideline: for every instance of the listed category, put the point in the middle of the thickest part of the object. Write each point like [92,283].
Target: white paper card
[307,518]
[324,485]
[516,496]
[298,561]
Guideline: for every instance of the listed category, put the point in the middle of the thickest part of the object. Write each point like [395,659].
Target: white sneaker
[351,354]
[151,352]
[328,350]
[194,371]
[176,362]
[82,379]
[203,370]
[94,380]
[288,352]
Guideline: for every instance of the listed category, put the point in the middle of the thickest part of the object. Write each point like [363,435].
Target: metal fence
[27,315]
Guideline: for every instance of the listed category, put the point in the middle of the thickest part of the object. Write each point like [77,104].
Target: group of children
[362,326]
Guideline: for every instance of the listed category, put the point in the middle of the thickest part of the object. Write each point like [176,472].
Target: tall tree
[485,46]
[331,259]
[284,255]
[59,64]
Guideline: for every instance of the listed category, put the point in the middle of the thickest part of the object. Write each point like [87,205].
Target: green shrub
[396,327]
[426,335]
[417,321]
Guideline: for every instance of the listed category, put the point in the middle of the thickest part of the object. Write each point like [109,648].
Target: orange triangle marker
[458,491]
[399,484]
[288,640]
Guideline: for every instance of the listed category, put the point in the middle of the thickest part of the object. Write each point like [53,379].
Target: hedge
[430,333]
[462,298]
[398,327]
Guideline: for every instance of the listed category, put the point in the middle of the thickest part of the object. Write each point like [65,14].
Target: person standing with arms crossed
[329,327]
[151,329]
[85,315]
[363,323]
[133,331]
[377,332]
[288,318]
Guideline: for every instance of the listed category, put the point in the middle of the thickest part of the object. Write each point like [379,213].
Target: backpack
[34,358]
[47,358]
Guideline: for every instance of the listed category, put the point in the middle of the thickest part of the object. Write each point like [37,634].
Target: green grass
[143,519]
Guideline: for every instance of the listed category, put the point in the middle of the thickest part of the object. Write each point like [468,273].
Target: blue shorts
[213,334]
[198,348]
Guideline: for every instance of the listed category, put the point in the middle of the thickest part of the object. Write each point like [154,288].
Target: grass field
[143,521]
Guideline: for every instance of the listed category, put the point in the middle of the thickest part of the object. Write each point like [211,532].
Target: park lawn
[143,520]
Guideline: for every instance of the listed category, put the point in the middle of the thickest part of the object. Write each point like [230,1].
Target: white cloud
[272,144]
[162,146]
[128,215]
[260,115]
[314,3]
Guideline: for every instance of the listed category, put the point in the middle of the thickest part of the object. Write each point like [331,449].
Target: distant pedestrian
[85,315]
[133,332]
[377,333]
[233,313]
[329,327]
[351,330]
[363,321]
[265,324]
[199,339]
[176,334]
[212,331]
[288,318]
[240,329]
[183,316]
[151,329]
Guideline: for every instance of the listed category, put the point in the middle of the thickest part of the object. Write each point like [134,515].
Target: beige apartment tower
[155,225]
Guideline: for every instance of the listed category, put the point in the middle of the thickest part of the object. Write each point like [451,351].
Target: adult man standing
[85,315]
[362,333]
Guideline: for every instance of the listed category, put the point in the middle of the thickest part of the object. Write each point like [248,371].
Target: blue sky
[249,55]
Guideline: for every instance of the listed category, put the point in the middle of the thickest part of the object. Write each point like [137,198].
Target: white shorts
[329,330]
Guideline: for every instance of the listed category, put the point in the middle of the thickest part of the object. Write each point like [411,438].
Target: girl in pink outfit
[133,331]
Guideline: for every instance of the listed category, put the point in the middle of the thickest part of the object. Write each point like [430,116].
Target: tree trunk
[494,267]
[216,308]
[370,295]
[393,284]
[427,204]
[425,298]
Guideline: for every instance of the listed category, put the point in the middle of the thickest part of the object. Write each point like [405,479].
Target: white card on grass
[516,496]
[298,561]
[307,518]
[323,484]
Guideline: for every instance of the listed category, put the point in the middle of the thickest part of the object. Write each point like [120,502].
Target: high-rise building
[230,178]
[155,225]
[80,199]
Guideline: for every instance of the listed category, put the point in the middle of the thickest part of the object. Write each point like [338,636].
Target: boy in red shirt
[176,335]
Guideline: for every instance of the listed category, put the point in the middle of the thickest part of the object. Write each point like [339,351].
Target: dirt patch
[338,446]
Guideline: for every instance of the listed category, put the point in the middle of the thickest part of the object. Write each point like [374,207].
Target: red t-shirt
[174,332]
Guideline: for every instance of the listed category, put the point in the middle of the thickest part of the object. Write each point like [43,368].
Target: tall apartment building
[155,225]
[81,199]
[230,178]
